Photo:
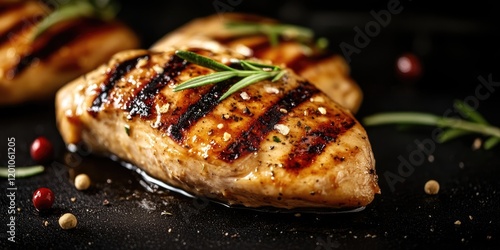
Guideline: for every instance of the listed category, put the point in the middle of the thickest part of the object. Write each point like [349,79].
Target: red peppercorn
[41,150]
[408,67]
[43,198]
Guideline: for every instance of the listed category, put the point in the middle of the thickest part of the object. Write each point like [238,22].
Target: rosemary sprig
[22,172]
[72,9]
[452,127]
[273,31]
[252,72]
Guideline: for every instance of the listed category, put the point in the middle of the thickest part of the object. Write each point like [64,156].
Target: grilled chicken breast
[327,71]
[282,144]
[34,69]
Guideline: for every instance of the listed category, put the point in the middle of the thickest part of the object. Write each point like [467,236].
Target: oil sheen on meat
[282,144]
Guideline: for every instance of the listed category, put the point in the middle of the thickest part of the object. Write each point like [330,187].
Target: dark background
[456,42]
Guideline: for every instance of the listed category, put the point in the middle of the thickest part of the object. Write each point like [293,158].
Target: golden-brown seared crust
[328,72]
[33,69]
[283,144]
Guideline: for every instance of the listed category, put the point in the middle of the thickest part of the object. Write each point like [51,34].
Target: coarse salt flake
[164,108]
[227,136]
[271,90]
[322,110]
[244,96]
[141,63]
[158,69]
[282,129]
[317,99]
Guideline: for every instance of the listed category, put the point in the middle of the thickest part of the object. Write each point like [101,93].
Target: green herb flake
[308,128]
[276,139]
[127,129]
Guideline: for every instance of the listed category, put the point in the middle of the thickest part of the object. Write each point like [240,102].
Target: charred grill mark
[250,140]
[44,47]
[315,142]
[19,27]
[143,99]
[196,111]
[10,7]
[113,76]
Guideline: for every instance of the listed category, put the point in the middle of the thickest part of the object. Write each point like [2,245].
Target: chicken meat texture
[33,68]
[282,144]
[327,71]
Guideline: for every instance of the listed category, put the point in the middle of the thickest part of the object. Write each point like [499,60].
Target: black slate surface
[457,45]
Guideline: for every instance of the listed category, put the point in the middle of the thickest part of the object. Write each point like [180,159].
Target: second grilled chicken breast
[33,69]
[327,71]
[283,144]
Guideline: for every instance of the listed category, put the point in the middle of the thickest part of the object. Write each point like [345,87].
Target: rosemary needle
[21,172]
[75,9]
[453,127]
[252,72]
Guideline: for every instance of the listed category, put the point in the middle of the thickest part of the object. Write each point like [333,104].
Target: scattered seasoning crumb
[282,129]
[19,209]
[431,187]
[45,223]
[169,230]
[430,158]
[298,215]
[109,181]
[67,221]
[225,116]
[166,213]
[306,113]
[105,202]
[271,90]
[82,182]
[322,110]
[226,234]
[244,96]
[158,69]
[470,217]
[284,111]
[141,63]
[463,240]
[72,199]
[457,223]
[164,108]
[477,144]
[220,126]
[317,99]
[227,136]
[488,237]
